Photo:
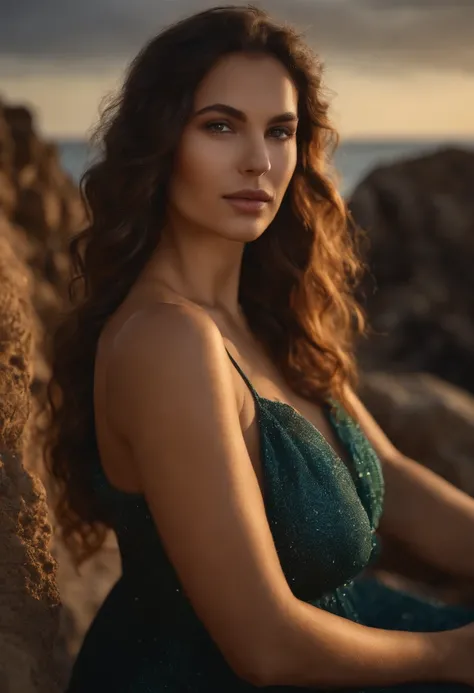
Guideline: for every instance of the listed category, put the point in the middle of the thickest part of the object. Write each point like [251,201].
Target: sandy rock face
[29,597]
[40,208]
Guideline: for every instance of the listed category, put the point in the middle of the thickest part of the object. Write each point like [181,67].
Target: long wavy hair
[297,280]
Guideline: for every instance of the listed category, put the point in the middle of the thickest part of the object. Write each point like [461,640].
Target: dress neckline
[326,409]
[261,403]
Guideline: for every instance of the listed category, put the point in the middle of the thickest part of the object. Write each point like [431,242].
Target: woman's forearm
[430,516]
[320,650]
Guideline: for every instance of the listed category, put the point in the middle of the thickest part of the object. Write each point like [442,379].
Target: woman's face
[240,138]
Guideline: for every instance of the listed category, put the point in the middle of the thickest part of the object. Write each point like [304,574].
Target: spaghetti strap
[244,377]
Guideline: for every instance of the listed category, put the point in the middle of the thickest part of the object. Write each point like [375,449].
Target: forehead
[250,83]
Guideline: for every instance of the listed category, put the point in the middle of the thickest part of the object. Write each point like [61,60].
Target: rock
[8,195]
[432,422]
[29,597]
[35,191]
[36,222]
[40,207]
[428,420]
[39,210]
[419,216]
[83,593]
[6,144]
[27,146]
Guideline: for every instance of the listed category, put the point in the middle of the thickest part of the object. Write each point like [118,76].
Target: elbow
[259,672]
[260,654]
[259,667]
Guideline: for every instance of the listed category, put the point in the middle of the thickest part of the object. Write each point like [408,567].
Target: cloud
[396,33]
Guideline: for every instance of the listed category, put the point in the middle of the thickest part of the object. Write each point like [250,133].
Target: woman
[203,396]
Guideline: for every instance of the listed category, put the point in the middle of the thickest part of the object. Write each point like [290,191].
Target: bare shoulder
[158,354]
[165,327]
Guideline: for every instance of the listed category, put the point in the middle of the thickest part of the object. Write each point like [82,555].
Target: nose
[256,158]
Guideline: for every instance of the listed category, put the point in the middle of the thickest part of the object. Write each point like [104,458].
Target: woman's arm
[423,511]
[171,398]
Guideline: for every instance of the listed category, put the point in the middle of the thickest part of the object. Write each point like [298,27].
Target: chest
[314,414]
[321,518]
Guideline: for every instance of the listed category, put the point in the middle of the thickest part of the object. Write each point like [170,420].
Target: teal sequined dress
[146,638]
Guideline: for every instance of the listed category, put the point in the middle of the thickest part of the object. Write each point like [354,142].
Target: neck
[201,268]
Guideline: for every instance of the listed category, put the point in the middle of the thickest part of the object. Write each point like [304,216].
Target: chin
[246,231]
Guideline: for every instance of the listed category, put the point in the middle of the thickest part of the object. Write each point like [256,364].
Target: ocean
[354,158]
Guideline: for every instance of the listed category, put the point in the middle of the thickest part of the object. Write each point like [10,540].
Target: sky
[393,68]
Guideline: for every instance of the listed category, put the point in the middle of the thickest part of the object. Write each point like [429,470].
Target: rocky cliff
[35,193]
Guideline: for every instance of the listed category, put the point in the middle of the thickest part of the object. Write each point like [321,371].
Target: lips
[254,195]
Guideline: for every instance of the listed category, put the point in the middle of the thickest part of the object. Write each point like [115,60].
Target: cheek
[283,167]
[197,174]
[198,165]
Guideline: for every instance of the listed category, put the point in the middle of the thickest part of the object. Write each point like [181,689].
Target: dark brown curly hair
[298,278]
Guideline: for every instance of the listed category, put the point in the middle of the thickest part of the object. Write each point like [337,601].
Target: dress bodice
[323,515]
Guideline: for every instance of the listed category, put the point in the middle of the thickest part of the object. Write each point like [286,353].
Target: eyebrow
[240,115]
